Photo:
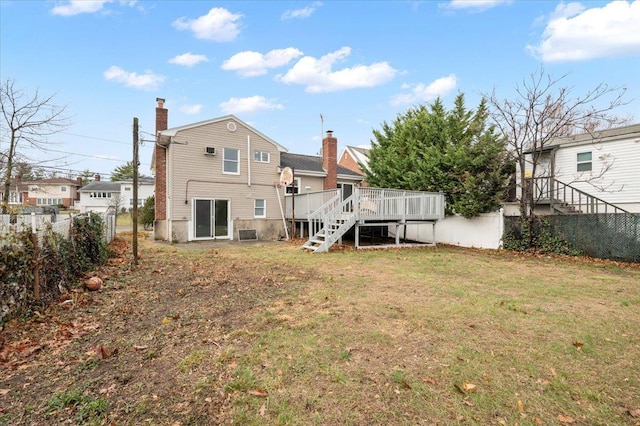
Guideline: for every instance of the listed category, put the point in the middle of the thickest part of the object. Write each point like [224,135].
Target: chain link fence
[605,236]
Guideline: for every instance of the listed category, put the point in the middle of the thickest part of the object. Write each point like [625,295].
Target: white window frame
[63,188]
[259,156]
[583,162]
[263,208]
[295,189]
[226,161]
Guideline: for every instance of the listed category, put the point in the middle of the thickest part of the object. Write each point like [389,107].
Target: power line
[96,138]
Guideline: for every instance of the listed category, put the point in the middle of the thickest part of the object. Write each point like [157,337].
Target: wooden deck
[369,205]
[329,215]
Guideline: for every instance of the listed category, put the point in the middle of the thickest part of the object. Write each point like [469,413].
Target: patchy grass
[266,333]
[124,219]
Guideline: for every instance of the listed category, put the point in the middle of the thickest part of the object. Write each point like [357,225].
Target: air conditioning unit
[209,150]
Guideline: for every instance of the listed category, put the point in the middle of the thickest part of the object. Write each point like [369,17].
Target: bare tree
[544,110]
[116,203]
[27,122]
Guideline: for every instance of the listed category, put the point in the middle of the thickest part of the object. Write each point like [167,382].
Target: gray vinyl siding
[315,183]
[192,174]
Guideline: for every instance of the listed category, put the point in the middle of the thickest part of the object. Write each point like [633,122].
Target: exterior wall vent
[210,150]
[247,235]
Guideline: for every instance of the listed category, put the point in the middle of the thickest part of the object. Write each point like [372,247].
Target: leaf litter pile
[220,334]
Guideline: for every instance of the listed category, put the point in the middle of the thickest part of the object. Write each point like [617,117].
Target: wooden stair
[330,233]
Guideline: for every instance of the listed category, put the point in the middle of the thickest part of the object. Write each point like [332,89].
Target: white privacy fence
[483,231]
[60,224]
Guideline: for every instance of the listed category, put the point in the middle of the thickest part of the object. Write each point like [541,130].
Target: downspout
[248,160]
[166,185]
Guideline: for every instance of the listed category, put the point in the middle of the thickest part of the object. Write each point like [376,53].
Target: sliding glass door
[211,218]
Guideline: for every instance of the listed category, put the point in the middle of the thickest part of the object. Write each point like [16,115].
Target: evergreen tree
[122,172]
[431,149]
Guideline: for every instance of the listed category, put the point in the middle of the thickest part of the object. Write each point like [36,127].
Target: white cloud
[104,157]
[250,104]
[301,13]
[574,33]
[420,92]
[473,5]
[318,75]
[217,25]
[188,59]
[191,109]
[251,64]
[146,81]
[77,7]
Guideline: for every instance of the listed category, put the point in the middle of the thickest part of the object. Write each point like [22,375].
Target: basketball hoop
[286,176]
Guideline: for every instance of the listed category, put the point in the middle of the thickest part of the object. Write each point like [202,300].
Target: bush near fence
[604,236]
[37,267]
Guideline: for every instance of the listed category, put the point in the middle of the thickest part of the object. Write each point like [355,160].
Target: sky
[295,69]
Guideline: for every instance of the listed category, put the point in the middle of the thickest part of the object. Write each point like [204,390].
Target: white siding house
[604,164]
[145,190]
[607,166]
[99,196]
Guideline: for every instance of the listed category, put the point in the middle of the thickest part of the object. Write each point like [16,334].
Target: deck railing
[393,204]
[553,191]
[308,203]
[371,204]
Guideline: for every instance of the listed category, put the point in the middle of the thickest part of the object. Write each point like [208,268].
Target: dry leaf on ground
[565,419]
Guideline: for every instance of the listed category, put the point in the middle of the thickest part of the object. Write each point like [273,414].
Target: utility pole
[134,214]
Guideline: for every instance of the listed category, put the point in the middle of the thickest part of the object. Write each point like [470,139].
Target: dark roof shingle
[310,163]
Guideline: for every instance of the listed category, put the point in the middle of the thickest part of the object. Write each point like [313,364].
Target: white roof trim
[174,130]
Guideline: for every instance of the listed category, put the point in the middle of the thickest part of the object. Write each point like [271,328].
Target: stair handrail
[556,190]
[315,218]
[331,216]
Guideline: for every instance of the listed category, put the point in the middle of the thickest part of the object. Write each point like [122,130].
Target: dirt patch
[136,342]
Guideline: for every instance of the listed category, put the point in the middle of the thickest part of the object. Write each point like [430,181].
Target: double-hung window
[259,208]
[261,156]
[584,161]
[294,188]
[231,161]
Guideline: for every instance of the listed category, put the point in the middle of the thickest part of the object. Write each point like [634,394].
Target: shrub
[60,260]
[146,213]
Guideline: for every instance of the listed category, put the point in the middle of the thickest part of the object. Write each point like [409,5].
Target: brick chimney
[160,154]
[79,180]
[97,177]
[330,160]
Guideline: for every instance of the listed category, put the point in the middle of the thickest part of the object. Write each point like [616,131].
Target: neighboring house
[218,177]
[145,190]
[18,192]
[99,196]
[353,156]
[51,192]
[603,164]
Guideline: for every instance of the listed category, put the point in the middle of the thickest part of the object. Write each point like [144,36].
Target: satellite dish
[286,176]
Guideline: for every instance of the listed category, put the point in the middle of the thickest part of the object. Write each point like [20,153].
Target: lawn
[251,333]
